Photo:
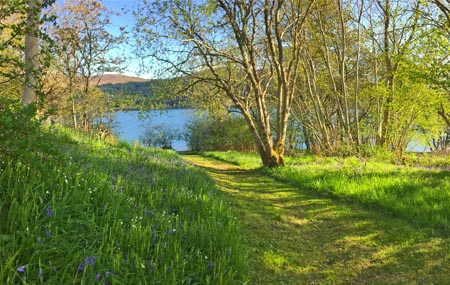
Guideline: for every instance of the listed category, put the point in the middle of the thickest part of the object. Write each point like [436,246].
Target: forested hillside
[147,94]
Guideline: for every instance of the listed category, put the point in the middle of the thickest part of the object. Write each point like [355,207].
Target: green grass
[242,159]
[419,195]
[303,235]
[78,210]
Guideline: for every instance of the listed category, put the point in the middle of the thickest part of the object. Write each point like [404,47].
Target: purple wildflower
[210,265]
[48,233]
[97,277]
[49,212]
[170,232]
[21,269]
[90,260]
[81,266]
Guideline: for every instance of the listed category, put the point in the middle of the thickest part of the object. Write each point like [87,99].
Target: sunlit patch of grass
[78,210]
[242,159]
[300,235]
[419,195]
[274,261]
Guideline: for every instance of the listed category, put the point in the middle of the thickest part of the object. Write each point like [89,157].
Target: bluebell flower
[81,266]
[97,277]
[21,269]
[210,265]
[171,231]
[49,212]
[90,260]
[48,233]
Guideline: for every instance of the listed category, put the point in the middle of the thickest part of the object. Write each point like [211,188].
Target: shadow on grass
[299,236]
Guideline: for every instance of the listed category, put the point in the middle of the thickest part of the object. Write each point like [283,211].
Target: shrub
[159,137]
[210,133]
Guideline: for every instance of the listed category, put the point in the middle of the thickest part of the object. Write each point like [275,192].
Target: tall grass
[417,194]
[75,209]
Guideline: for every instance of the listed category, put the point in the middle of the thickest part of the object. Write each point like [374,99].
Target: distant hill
[116,79]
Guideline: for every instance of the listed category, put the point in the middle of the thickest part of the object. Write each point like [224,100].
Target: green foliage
[78,210]
[18,127]
[213,133]
[12,31]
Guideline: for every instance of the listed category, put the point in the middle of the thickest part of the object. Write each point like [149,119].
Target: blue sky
[126,19]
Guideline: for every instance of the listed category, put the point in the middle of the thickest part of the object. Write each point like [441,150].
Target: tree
[83,43]
[32,51]
[249,50]
[444,6]
[12,29]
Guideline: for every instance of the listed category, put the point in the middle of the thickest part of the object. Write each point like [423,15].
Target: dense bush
[210,133]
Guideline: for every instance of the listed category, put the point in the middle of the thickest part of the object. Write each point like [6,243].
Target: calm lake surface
[131,125]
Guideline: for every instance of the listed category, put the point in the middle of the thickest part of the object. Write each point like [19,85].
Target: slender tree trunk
[358,57]
[74,114]
[32,52]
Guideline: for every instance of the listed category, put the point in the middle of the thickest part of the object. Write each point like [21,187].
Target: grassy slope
[78,210]
[302,236]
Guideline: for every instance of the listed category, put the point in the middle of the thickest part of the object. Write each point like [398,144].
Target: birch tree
[32,51]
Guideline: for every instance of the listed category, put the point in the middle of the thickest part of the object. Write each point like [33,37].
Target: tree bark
[32,52]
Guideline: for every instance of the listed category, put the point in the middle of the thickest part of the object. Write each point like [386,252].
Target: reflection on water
[129,126]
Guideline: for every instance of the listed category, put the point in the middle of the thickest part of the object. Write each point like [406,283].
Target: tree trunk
[74,114]
[32,52]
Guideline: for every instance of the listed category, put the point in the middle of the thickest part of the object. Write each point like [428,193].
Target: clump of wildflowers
[49,212]
[87,261]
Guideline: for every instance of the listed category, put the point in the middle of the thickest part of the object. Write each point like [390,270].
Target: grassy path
[301,237]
